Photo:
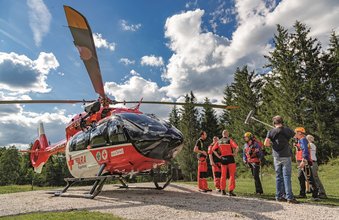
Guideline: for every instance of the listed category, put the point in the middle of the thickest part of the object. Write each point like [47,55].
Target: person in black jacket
[279,138]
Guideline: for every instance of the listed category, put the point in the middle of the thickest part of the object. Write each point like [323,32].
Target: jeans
[283,170]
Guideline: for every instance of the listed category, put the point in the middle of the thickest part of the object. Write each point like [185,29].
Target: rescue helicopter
[106,142]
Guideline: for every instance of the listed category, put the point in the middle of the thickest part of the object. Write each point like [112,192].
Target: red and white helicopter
[107,142]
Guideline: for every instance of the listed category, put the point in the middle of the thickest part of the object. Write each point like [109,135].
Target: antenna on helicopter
[138,105]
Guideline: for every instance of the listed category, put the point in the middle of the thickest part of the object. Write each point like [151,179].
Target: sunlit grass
[21,188]
[329,175]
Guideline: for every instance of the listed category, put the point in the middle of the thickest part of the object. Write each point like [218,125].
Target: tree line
[300,84]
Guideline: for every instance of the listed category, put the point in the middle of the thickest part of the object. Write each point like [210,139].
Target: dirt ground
[177,201]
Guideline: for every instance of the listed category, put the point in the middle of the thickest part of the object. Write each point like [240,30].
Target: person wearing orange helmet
[304,164]
[225,146]
[252,155]
[201,151]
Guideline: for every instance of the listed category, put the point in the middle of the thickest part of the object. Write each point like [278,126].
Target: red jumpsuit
[225,146]
[202,166]
[216,168]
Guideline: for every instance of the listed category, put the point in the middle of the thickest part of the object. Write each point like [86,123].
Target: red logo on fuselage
[80,160]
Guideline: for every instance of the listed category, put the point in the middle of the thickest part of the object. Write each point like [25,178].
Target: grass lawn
[74,215]
[329,175]
[21,188]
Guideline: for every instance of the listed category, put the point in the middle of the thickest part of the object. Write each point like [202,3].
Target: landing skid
[161,176]
[95,190]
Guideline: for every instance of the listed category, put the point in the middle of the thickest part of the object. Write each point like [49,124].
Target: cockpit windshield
[144,122]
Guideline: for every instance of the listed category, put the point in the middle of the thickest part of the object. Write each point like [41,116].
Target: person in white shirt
[322,193]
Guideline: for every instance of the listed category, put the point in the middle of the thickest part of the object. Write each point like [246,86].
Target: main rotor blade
[83,40]
[43,101]
[179,103]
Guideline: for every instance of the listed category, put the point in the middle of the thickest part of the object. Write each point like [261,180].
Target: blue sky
[158,50]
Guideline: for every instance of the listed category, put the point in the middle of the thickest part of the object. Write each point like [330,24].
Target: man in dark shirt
[201,150]
[279,138]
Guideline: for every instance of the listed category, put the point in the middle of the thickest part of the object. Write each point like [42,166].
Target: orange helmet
[300,129]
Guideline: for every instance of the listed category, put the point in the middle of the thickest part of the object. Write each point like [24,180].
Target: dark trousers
[255,169]
[302,175]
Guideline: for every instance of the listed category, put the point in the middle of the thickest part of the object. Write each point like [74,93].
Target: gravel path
[177,201]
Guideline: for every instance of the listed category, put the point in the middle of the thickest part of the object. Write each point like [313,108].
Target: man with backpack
[252,155]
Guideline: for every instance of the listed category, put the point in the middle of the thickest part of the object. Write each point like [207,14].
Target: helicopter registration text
[117,152]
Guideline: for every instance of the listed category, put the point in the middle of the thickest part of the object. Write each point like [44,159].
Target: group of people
[221,153]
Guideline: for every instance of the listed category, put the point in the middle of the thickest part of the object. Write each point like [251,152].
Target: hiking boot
[322,196]
[281,199]
[292,201]
[218,190]
[203,190]
[208,190]
[231,193]
[223,192]
[302,197]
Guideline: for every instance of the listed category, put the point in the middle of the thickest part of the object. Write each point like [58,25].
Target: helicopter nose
[163,146]
[151,136]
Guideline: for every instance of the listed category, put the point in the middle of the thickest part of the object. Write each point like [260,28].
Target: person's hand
[302,164]
[212,164]
[204,153]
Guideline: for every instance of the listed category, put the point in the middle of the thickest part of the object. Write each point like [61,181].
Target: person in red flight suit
[216,164]
[201,150]
[225,146]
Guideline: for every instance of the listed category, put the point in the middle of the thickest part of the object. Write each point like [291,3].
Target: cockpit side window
[99,136]
[79,142]
[116,134]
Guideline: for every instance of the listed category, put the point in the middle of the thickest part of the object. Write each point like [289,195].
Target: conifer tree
[189,126]
[209,122]
[174,117]
[243,92]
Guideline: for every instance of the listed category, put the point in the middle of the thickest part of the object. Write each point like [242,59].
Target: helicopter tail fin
[41,150]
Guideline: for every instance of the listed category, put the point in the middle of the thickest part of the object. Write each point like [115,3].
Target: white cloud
[126,61]
[152,61]
[221,15]
[19,127]
[129,27]
[20,74]
[205,62]
[136,88]
[134,73]
[39,19]
[197,62]
[100,42]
